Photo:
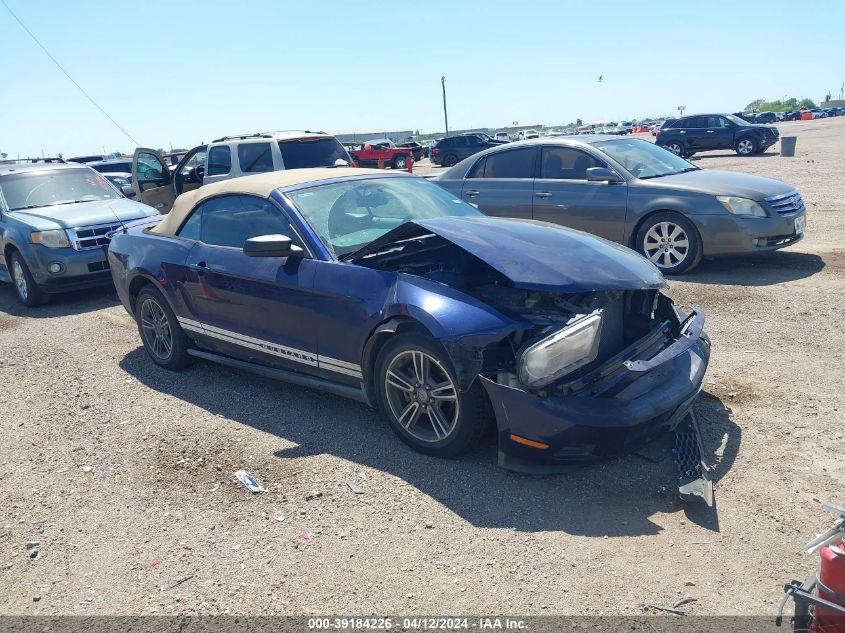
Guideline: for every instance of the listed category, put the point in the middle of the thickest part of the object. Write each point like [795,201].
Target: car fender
[462,324]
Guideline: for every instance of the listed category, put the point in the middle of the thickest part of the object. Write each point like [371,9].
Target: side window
[474,141]
[255,157]
[232,220]
[721,122]
[459,141]
[478,170]
[514,163]
[191,228]
[150,168]
[219,160]
[196,159]
[695,122]
[566,163]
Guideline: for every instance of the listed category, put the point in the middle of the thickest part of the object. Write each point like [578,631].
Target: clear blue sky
[184,72]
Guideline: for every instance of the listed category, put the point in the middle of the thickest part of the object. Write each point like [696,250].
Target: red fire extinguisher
[831,587]
[820,600]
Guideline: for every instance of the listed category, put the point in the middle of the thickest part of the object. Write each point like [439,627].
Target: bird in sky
[600,77]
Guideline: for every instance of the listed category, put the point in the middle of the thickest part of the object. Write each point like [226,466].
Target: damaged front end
[594,362]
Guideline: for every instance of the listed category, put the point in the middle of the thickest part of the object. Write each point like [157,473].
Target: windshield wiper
[70,202]
[670,173]
[29,206]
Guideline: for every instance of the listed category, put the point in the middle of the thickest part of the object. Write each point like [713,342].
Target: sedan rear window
[313,152]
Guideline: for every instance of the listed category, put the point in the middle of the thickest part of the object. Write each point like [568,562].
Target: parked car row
[791,115]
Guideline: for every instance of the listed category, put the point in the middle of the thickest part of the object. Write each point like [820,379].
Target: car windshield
[643,159]
[312,152]
[52,187]
[349,215]
[736,120]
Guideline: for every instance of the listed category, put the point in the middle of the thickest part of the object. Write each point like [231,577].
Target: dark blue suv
[687,135]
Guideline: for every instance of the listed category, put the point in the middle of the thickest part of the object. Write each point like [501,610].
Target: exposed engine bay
[626,316]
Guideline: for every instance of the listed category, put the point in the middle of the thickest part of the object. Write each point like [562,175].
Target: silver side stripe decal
[268,347]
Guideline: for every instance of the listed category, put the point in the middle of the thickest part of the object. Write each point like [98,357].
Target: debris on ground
[31,544]
[354,487]
[86,469]
[177,583]
[152,564]
[249,482]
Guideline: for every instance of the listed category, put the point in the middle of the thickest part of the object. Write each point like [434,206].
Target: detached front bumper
[631,403]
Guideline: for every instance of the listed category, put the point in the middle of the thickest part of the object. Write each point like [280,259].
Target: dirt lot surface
[123,473]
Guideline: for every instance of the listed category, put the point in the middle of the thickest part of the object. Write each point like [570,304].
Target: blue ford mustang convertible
[386,288]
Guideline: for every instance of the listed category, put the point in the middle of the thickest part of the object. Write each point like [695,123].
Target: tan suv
[155,184]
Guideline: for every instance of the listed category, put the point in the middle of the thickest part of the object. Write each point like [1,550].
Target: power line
[73,81]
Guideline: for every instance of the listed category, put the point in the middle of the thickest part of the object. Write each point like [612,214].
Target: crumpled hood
[538,255]
[68,216]
[723,183]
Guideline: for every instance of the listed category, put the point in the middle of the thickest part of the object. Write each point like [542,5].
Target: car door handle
[473,192]
[543,194]
[710,131]
[200,267]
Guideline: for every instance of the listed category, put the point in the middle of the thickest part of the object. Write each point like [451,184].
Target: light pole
[445,115]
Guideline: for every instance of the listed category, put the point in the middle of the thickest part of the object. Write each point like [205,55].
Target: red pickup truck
[381,155]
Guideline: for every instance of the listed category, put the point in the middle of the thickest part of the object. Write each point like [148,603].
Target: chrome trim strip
[268,347]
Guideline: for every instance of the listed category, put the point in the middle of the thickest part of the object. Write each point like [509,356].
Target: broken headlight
[561,353]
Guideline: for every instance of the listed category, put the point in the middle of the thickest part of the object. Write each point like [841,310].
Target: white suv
[155,184]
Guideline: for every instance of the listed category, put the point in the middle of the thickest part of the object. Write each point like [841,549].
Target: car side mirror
[271,246]
[602,174]
[128,191]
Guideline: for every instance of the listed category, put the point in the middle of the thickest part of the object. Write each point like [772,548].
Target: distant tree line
[761,105]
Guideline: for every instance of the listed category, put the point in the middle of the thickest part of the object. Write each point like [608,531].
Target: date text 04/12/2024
[417,623]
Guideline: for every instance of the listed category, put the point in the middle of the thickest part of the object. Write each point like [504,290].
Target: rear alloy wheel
[160,331]
[450,160]
[419,393]
[675,147]
[746,146]
[28,291]
[670,242]
[400,162]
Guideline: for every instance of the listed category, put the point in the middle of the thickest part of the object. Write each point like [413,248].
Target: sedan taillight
[657,133]
[436,150]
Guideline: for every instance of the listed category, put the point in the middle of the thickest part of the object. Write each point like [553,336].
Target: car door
[720,131]
[152,181]
[188,174]
[254,308]
[693,132]
[501,183]
[563,195]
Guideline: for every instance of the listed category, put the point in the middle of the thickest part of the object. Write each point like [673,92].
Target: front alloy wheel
[28,291]
[746,147]
[419,393]
[421,396]
[400,162]
[670,242]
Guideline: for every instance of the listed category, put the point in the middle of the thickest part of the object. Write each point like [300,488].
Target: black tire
[29,293]
[174,356]
[746,146]
[648,243]
[688,155]
[469,417]
[400,162]
[450,160]
[676,147]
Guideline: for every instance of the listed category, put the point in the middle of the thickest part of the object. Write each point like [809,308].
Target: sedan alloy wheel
[667,245]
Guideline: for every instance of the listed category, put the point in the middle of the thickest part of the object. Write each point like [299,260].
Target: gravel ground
[123,472]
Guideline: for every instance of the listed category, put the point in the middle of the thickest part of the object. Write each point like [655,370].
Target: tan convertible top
[258,185]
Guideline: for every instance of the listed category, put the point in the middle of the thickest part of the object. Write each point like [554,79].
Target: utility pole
[445,115]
